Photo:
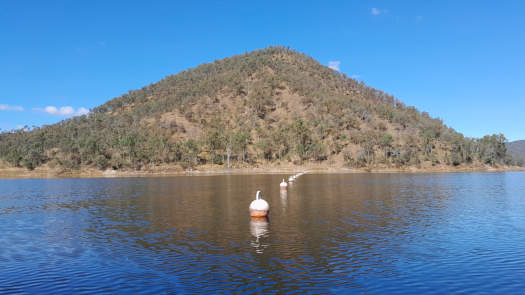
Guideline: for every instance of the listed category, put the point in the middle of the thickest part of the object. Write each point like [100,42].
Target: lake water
[345,233]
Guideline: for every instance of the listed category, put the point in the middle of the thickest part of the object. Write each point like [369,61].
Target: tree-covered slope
[271,106]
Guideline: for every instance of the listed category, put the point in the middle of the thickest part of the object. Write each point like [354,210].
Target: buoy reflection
[284,199]
[259,230]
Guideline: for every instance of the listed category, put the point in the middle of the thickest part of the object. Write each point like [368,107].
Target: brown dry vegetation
[267,108]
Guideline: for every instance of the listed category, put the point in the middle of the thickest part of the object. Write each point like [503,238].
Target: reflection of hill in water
[324,222]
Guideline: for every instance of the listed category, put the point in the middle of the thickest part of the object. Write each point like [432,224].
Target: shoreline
[48,173]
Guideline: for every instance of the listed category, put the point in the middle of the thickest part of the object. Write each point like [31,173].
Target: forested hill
[268,107]
[517,150]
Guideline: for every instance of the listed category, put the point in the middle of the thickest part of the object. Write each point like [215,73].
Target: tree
[280,139]
[386,144]
[216,142]
[302,138]
[428,137]
[190,152]
[317,151]
[369,146]
[240,142]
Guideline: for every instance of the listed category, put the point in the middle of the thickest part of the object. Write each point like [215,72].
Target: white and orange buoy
[259,207]
[283,185]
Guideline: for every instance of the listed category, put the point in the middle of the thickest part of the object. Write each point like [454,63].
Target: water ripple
[332,234]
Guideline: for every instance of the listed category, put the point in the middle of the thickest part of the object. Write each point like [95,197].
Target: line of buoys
[294,177]
[260,208]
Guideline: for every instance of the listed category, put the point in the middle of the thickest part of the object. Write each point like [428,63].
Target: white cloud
[376,11]
[355,77]
[5,107]
[82,111]
[334,65]
[63,111]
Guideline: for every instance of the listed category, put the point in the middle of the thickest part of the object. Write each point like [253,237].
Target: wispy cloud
[5,107]
[376,11]
[334,65]
[82,111]
[355,76]
[63,111]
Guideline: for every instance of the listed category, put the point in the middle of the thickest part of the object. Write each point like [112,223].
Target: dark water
[356,233]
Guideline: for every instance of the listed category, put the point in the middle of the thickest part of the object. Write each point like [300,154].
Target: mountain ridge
[273,106]
[517,150]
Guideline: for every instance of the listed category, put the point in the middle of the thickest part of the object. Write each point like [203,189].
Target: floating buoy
[283,185]
[259,207]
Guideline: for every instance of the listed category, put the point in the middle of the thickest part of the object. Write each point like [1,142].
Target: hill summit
[274,106]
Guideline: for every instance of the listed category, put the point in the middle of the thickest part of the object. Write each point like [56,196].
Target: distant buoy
[283,185]
[259,207]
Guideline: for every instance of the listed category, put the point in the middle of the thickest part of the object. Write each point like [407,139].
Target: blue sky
[461,61]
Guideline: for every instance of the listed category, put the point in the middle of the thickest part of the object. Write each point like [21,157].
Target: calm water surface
[354,233]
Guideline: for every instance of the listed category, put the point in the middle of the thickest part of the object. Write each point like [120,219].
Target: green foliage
[492,149]
[241,140]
